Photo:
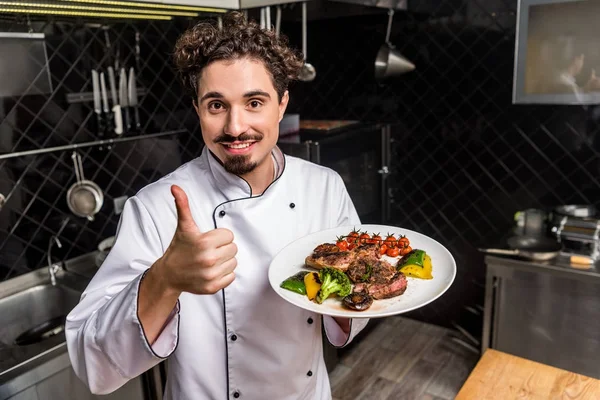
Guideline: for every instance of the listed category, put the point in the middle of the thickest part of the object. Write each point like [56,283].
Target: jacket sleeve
[347,216]
[106,343]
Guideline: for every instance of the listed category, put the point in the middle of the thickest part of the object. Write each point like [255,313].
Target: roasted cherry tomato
[403,242]
[351,245]
[341,244]
[375,239]
[364,237]
[352,236]
[392,252]
[405,250]
[383,249]
[390,240]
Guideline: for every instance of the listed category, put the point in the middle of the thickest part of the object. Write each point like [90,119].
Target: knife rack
[86,97]
[95,143]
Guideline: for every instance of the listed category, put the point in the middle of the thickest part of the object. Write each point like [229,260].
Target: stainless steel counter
[544,311]
[42,369]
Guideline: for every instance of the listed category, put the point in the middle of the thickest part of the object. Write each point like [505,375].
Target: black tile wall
[464,158]
[35,186]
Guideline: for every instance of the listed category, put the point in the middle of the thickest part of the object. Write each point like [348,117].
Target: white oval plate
[419,292]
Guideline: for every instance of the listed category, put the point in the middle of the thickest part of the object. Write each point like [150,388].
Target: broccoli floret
[333,281]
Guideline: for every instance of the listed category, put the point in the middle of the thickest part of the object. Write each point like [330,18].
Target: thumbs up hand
[197,262]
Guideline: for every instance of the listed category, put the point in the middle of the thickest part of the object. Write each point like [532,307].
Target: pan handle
[500,251]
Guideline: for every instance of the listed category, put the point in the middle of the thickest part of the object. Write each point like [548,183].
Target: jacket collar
[232,186]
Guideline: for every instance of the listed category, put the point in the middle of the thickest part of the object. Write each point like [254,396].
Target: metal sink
[35,314]
[32,317]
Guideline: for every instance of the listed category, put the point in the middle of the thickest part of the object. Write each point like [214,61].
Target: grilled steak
[394,287]
[367,251]
[370,270]
[329,255]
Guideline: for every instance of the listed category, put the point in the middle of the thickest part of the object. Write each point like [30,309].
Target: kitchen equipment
[579,236]
[123,100]
[389,61]
[531,222]
[84,197]
[105,108]
[544,312]
[104,248]
[133,99]
[277,21]
[26,71]
[360,153]
[116,108]
[535,248]
[97,106]
[576,210]
[308,72]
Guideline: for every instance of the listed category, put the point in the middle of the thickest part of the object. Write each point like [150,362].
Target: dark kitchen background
[464,159]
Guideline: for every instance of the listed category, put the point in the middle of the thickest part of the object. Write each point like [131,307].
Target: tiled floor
[402,359]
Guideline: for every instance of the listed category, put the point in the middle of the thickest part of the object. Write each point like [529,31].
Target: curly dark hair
[238,38]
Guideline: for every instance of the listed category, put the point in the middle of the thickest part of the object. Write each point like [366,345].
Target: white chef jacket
[242,342]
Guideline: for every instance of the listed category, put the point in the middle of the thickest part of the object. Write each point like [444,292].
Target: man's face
[239,113]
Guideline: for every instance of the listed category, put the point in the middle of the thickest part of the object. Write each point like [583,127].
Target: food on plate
[358,301]
[329,255]
[313,284]
[417,264]
[295,283]
[354,269]
[370,270]
[333,282]
[391,288]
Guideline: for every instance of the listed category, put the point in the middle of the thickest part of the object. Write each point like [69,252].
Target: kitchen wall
[465,159]
[36,186]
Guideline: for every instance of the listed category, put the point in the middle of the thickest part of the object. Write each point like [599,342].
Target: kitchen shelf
[103,142]
[86,97]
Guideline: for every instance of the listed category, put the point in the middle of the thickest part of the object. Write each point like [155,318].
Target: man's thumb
[185,221]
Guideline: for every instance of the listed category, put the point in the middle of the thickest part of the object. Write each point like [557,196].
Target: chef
[187,277]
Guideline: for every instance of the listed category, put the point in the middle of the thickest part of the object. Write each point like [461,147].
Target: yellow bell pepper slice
[417,271]
[313,284]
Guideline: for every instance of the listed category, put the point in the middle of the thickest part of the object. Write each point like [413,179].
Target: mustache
[226,138]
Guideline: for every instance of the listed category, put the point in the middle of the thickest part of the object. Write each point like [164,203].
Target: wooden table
[505,377]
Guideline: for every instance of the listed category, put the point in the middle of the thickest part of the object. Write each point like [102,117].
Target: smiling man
[187,277]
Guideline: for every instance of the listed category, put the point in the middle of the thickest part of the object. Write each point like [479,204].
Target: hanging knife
[115,101]
[105,109]
[133,99]
[123,98]
[97,107]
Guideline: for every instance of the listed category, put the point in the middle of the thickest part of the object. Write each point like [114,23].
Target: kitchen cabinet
[61,383]
[66,385]
[27,394]
[544,312]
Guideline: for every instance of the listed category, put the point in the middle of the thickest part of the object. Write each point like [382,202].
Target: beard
[239,165]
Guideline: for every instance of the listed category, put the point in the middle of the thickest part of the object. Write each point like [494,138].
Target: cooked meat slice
[340,260]
[324,249]
[367,251]
[395,287]
[382,272]
[370,270]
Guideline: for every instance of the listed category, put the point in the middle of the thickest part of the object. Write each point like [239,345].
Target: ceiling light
[81,14]
[151,5]
[91,8]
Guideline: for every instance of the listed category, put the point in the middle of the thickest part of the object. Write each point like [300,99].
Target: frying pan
[529,247]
